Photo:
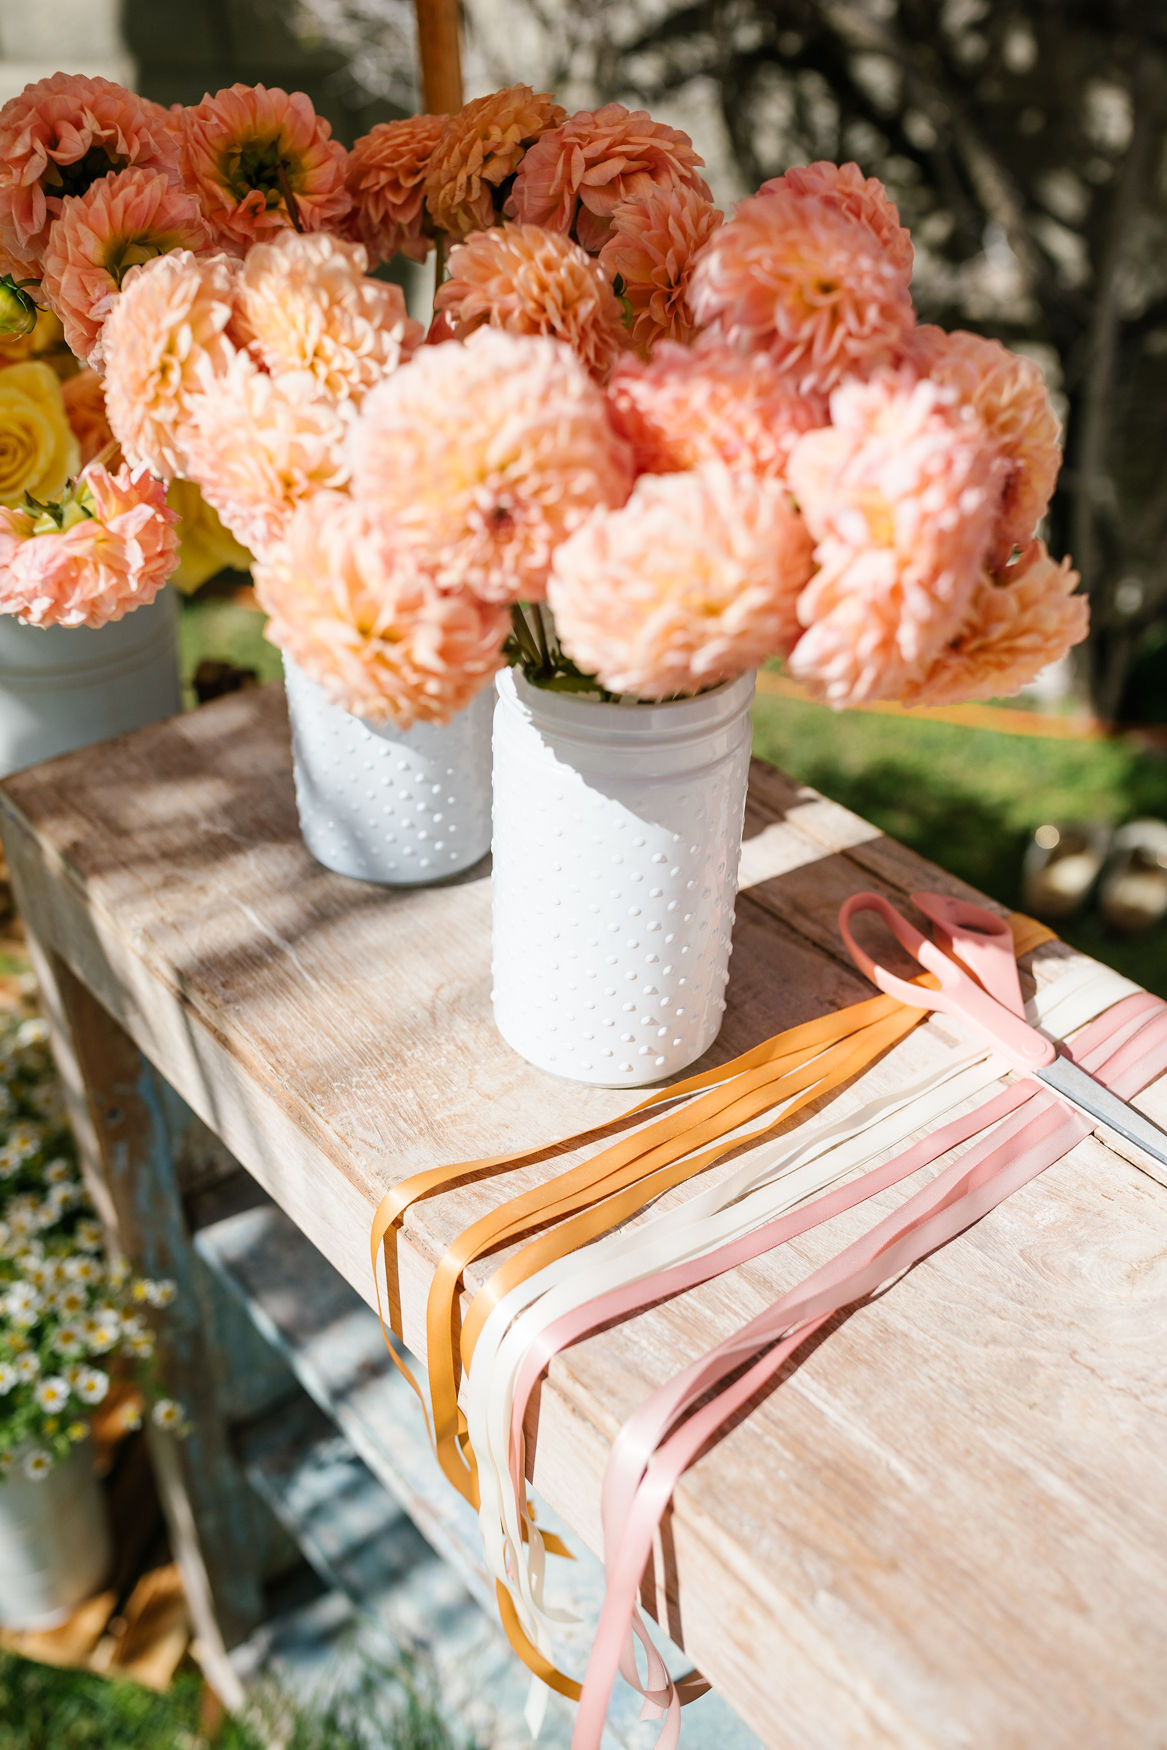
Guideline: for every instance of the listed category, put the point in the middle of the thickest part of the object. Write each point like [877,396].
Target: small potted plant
[70,1321]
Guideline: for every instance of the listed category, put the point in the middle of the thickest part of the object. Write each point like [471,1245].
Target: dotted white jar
[402,807]
[617,836]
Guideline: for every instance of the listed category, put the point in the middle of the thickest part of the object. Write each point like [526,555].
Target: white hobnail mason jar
[403,807]
[62,687]
[54,1542]
[617,838]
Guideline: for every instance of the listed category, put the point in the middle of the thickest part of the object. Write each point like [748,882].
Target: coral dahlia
[531,281]
[257,446]
[369,622]
[863,198]
[691,582]
[900,494]
[261,160]
[656,237]
[486,454]
[793,275]
[1009,396]
[106,548]
[575,176]
[164,337]
[56,139]
[306,304]
[710,403]
[386,181]
[479,149]
[121,221]
[84,397]
[1018,622]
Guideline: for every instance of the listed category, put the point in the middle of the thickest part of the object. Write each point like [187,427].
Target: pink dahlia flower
[691,582]
[261,160]
[656,237]
[119,222]
[107,548]
[479,148]
[1009,396]
[531,281]
[486,454]
[862,198]
[576,175]
[306,304]
[386,182]
[56,139]
[710,403]
[793,275]
[899,494]
[257,446]
[1018,622]
[369,622]
[163,338]
[84,397]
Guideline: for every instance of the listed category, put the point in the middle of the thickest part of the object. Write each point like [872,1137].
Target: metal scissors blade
[1079,1087]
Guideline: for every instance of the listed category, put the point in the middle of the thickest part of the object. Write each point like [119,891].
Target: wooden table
[948,1527]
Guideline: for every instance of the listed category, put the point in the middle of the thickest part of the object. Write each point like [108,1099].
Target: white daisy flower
[161,1293]
[84,1270]
[74,1373]
[24,1221]
[52,1393]
[27,1366]
[24,1318]
[59,1172]
[10,1162]
[69,1300]
[140,1345]
[88,1235]
[100,1334]
[25,1139]
[32,1033]
[19,1295]
[92,1386]
[69,1341]
[119,1273]
[37,1465]
[45,1099]
[8,1378]
[166,1414]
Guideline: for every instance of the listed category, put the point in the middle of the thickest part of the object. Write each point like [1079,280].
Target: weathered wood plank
[947,1528]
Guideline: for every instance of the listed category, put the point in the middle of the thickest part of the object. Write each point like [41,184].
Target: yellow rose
[38,451]
[205,546]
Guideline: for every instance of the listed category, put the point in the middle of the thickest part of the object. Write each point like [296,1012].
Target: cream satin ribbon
[527,1325]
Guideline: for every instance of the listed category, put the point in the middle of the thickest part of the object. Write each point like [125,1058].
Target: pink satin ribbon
[1126,1048]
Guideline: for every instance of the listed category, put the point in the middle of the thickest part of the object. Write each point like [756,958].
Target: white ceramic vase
[62,687]
[617,837]
[54,1542]
[401,807]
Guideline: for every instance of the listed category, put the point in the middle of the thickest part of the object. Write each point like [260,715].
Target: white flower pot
[63,687]
[617,836]
[402,807]
[54,1543]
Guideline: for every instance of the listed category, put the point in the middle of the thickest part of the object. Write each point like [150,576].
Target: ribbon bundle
[547,1296]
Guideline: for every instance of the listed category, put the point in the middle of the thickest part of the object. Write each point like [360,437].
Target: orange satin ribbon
[799,1066]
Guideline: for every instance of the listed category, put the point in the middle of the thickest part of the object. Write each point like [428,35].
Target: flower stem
[289,197]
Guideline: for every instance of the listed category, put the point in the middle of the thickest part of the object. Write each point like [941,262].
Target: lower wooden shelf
[351,1476]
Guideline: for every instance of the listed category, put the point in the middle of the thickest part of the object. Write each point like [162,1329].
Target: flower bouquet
[642,450]
[70,1321]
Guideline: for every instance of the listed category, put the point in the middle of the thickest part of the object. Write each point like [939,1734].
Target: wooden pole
[439,51]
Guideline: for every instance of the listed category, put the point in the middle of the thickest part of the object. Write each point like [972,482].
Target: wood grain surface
[947,1526]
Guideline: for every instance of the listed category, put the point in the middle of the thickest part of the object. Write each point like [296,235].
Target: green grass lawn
[968,799]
